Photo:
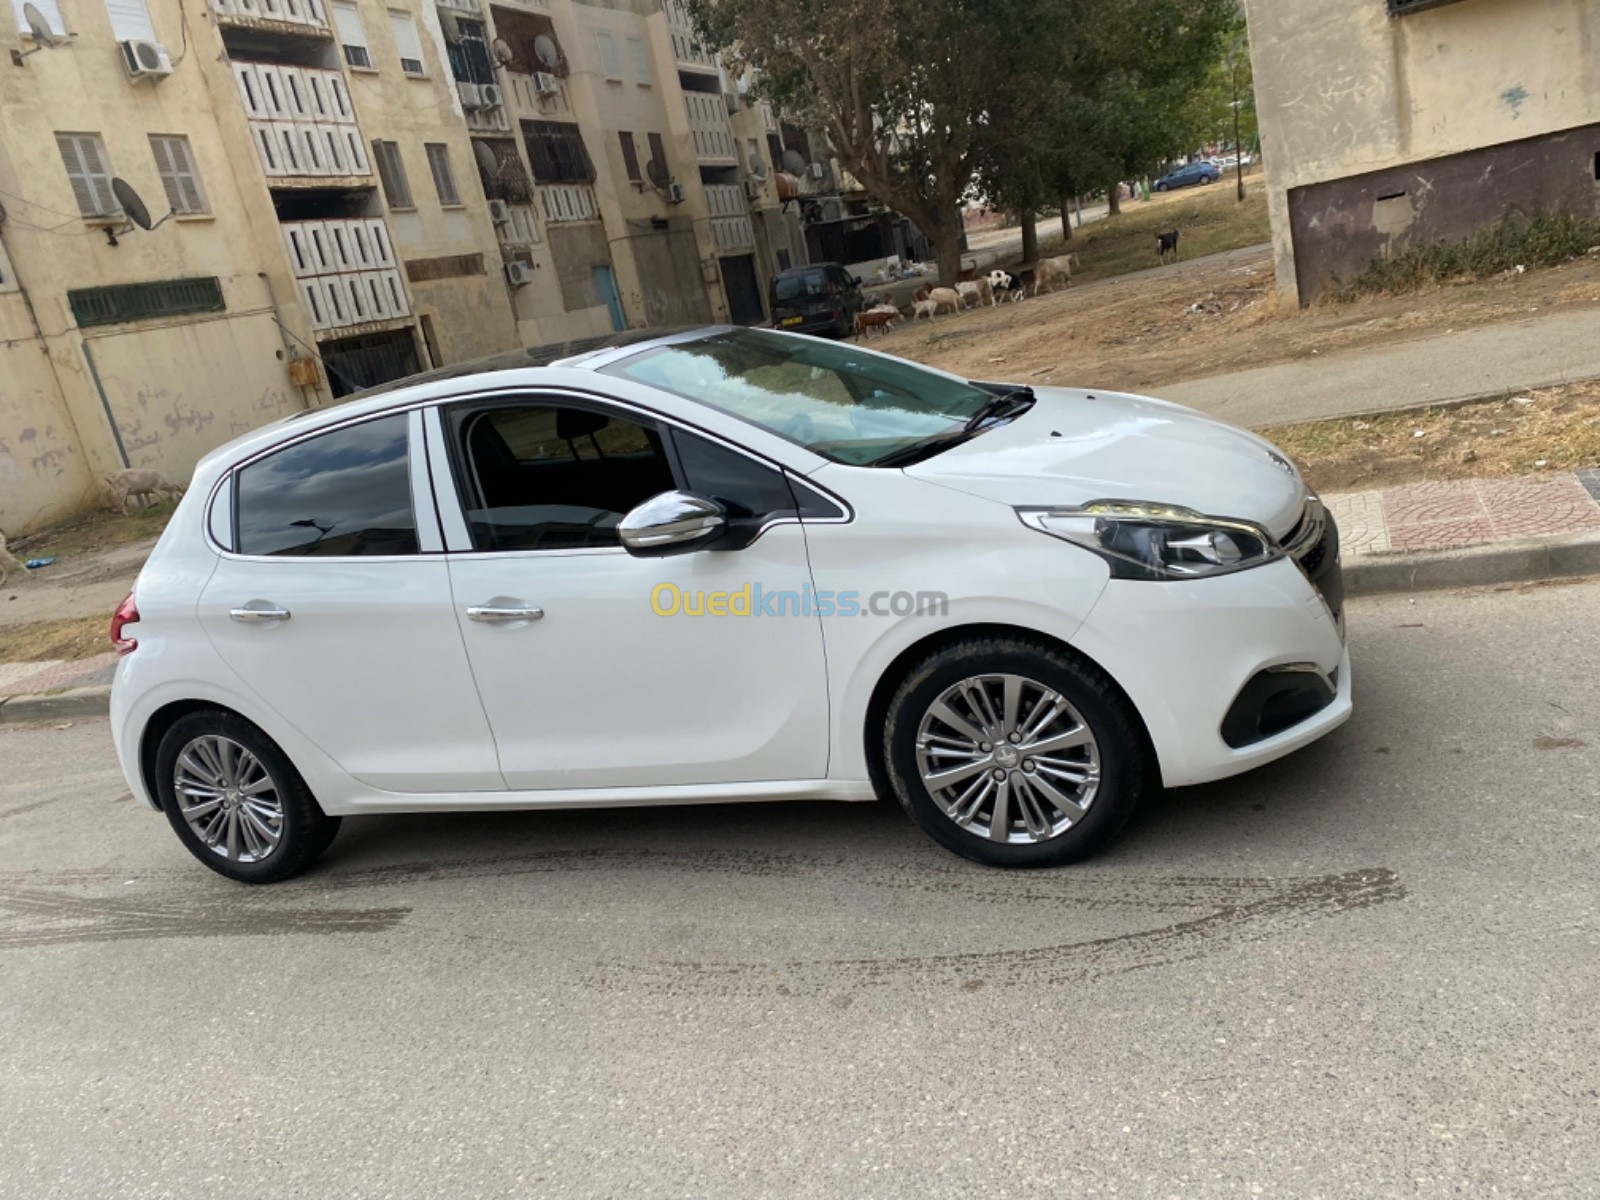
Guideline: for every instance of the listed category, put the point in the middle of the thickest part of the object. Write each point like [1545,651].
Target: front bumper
[1185,651]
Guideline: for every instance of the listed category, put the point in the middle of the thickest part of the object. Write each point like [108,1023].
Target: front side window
[543,476]
[346,493]
[834,400]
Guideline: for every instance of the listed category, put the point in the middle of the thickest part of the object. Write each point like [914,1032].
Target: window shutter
[610,64]
[641,60]
[658,151]
[406,42]
[353,34]
[630,155]
[392,173]
[49,9]
[175,165]
[444,181]
[85,161]
[130,20]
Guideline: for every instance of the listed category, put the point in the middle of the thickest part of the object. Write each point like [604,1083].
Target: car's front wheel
[236,801]
[1013,753]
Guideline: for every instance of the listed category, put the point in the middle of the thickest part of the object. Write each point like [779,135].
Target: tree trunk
[1030,236]
[947,245]
[1114,200]
[1066,218]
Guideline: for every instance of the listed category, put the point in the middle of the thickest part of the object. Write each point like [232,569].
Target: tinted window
[747,489]
[801,283]
[347,492]
[554,477]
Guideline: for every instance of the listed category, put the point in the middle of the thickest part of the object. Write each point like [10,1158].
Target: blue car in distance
[1189,173]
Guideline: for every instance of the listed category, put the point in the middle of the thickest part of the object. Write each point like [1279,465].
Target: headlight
[1157,541]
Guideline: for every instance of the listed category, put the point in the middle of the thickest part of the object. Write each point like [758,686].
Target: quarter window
[554,477]
[346,493]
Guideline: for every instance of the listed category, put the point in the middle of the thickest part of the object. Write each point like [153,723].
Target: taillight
[127,614]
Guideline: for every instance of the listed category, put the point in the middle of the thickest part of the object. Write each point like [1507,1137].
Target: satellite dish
[487,161]
[658,173]
[545,48]
[502,52]
[131,204]
[39,27]
[758,169]
[793,163]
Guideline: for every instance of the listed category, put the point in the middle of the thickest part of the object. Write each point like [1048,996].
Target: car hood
[1074,446]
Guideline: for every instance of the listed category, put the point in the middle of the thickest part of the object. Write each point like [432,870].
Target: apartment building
[1385,122]
[343,192]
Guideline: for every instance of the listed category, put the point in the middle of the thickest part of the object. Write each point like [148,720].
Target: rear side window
[341,494]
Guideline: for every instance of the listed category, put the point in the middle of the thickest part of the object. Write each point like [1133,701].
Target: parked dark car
[820,298]
[1189,173]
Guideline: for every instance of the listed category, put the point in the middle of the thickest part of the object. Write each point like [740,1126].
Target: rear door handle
[501,611]
[259,612]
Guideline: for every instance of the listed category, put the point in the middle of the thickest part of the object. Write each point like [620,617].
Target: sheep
[975,291]
[1052,269]
[138,485]
[8,561]
[944,297]
[923,308]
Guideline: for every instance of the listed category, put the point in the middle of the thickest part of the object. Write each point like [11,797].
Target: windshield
[832,399]
[804,283]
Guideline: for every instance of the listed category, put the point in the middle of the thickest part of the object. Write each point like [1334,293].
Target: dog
[1167,243]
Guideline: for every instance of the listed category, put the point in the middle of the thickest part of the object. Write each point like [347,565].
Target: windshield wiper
[1010,403]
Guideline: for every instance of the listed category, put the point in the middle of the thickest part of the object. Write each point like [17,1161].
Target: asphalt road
[1367,971]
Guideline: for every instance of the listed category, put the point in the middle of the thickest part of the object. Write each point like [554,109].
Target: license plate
[793,320]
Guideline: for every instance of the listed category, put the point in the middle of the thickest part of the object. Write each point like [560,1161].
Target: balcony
[302,122]
[568,202]
[686,49]
[730,219]
[522,93]
[708,123]
[346,272]
[515,224]
[305,17]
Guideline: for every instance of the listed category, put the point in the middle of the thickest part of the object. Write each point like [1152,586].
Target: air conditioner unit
[519,273]
[499,212]
[732,99]
[471,96]
[817,171]
[146,60]
[490,92]
[754,188]
[674,193]
[545,83]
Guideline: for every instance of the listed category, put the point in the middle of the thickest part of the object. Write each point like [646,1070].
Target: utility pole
[1238,148]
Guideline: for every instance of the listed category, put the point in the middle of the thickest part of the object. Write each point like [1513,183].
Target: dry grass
[95,531]
[38,641]
[1545,429]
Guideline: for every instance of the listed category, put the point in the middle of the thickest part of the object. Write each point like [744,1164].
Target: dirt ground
[1545,429]
[1207,316]
[39,641]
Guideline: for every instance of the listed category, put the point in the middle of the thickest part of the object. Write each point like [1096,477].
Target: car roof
[804,268]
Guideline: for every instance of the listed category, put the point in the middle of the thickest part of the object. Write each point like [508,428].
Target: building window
[353,35]
[89,172]
[508,179]
[444,180]
[144,301]
[392,173]
[469,53]
[404,28]
[531,40]
[641,60]
[175,165]
[49,9]
[658,153]
[610,63]
[557,152]
[130,21]
[630,156]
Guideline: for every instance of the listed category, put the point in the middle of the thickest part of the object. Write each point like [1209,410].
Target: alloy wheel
[1008,759]
[228,798]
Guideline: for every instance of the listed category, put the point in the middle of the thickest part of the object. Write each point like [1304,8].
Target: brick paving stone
[58,674]
[1526,507]
[1441,535]
[1418,503]
[1359,515]
[1590,478]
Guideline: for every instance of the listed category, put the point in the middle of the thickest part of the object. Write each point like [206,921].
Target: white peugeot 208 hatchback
[724,564]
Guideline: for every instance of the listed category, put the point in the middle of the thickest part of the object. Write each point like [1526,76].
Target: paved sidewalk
[31,678]
[1471,364]
[1467,512]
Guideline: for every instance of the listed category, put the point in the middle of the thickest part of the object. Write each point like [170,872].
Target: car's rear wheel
[1013,753]
[235,800]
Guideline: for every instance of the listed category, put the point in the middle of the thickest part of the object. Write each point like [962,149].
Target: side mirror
[856,279]
[671,523]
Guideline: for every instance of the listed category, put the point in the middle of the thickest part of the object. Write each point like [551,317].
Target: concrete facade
[1378,128]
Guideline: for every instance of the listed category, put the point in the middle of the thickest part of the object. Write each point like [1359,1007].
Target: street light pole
[1238,149]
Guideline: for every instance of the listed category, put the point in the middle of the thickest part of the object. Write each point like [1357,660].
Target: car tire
[1038,830]
[265,825]
[1160,187]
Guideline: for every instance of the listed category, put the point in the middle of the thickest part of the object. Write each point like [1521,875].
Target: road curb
[55,706]
[1524,561]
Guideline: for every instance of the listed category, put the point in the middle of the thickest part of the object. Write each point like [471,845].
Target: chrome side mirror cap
[671,523]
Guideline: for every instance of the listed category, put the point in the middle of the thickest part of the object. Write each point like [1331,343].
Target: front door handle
[501,611]
[259,612]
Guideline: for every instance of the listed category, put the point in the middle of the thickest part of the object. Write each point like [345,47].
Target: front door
[605,283]
[332,612]
[744,293]
[600,669]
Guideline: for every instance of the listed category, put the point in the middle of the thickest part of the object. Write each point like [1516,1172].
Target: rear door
[600,669]
[331,602]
